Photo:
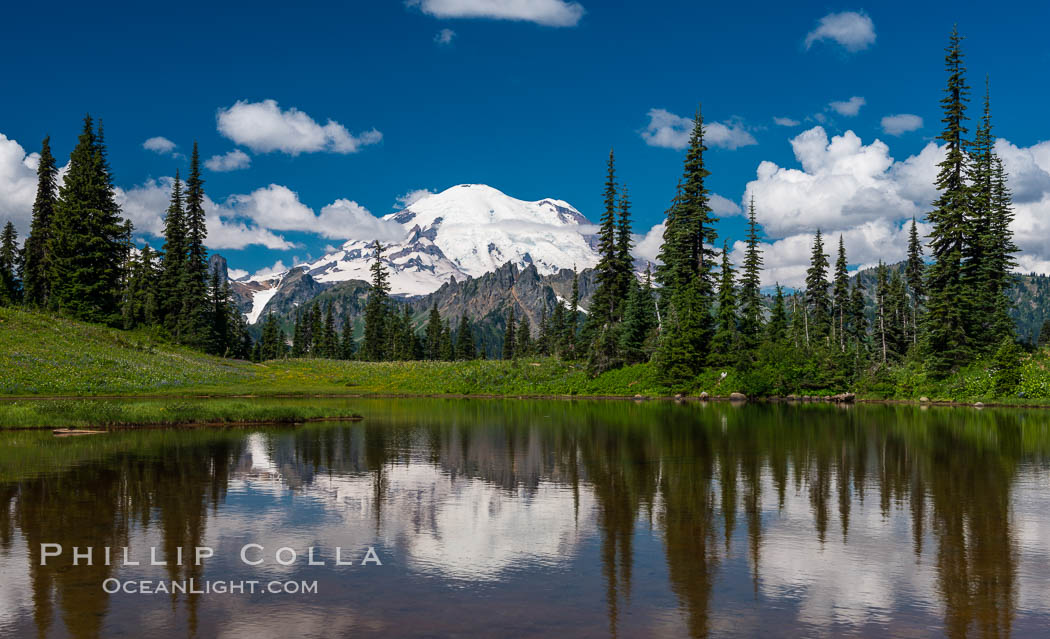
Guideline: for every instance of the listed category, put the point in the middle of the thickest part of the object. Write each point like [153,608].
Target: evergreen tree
[883,341]
[193,317]
[558,331]
[374,346]
[315,331]
[778,321]
[1001,248]
[10,287]
[607,271]
[840,296]
[914,270]
[85,245]
[448,349]
[819,319]
[330,338]
[221,330]
[523,345]
[173,264]
[725,341]
[37,246]
[947,345]
[624,260]
[686,270]
[465,349]
[347,347]
[299,335]
[858,320]
[685,254]
[979,302]
[140,298]
[509,337]
[272,342]
[639,322]
[433,334]
[750,287]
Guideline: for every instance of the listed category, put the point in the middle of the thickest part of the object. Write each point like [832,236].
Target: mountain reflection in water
[537,518]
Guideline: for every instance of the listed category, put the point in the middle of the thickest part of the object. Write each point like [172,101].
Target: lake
[519,518]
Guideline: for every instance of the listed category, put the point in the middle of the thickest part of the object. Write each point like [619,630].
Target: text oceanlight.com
[208,587]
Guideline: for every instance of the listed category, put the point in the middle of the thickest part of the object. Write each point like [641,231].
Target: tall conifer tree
[37,246]
[374,347]
[819,317]
[750,286]
[946,342]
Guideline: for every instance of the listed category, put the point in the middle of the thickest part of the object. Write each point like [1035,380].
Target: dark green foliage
[85,245]
[173,264]
[10,286]
[947,345]
[817,299]
[750,288]
[432,348]
[374,347]
[193,325]
[1007,365]
[725,343]
[624,260]
[607,272]
[272,345]
[686,334]
[778,321]
[465,348]
[36,276]
[510,338]
[840,297]
[140,306]
[638,334]
[523,341]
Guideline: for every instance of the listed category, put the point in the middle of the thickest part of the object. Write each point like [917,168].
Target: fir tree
[1001,248]
[140,299]
[173,264]
[858,320]
[374,346]
[724,343]
[272,342]
[330,338]
[465,349]
[347,347]
[686,270]
[947,345]
[510,337]
[448,351]
[778,321]
[639,323]
[750,286]
[523,345]
[36,280]
[10,287]
[1044,334]
[840,296]
[624,260]
[914,271]
[193,321]
[433,334]
[882,339]
[819,318]
[85,245]
[221,330]
[607,271]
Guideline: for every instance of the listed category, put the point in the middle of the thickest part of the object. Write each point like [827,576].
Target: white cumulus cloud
[853,30]
[667,130]
[410,198]
[848,108]
[159,144]
[901,123]
[785,122]
[278,207]
[231,161]
[264,127]
[550,13]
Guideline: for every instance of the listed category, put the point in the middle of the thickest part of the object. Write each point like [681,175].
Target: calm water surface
[536,519]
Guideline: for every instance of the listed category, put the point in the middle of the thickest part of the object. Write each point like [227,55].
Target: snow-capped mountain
[464,231]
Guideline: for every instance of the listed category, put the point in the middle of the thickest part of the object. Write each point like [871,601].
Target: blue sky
[459,93]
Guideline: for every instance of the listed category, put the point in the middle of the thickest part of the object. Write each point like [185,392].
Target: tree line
[80,260]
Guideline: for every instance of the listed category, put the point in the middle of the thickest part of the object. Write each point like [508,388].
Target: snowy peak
[462,232]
